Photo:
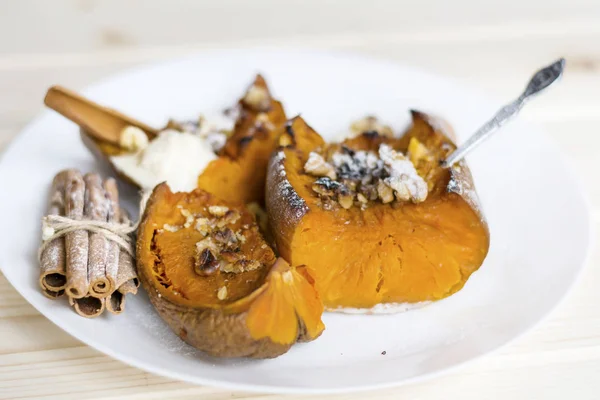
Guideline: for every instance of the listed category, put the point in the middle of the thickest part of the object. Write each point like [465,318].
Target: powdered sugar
[357,164]
[403,176]
[461,183]
[286,192]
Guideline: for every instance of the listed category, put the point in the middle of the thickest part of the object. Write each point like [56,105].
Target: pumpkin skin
[243,324]
[387,253]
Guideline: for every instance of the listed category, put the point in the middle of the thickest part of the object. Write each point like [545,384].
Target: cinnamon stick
[76,243]
[114,215]
[127,282]
[53,279]
[88,306]
[96,209]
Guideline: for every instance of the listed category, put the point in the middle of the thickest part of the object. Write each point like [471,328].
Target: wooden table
[493,47]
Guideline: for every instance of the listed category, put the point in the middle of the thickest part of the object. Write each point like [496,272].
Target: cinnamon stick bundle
[86,264]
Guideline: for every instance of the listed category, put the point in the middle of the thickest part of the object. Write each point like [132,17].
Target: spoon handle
[540,81]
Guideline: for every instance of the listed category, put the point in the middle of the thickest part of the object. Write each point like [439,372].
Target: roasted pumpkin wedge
[376,218]
[215,281]
[240,171]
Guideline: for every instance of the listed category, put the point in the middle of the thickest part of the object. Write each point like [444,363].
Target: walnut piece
[361,198]
[189,217]
[241,265]
[171,228]
[218,211]
[230,217]
[346,200]
[317,166]
[257,98]
[385,193]
[403,177]
[206,263]
[203,226]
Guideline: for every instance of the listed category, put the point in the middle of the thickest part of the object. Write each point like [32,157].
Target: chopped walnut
[317,166]
[326,186]
[218,211]
[241,265]
[207,243]
[405,181]
[385,193]
[369,191]
[222,293]
[365,176]
[346,200]
[220,248]
[189,217]
[205,262]
[230,217]
[240,237]
[171,228]
[257,98]
[203,226]
[361,198]
[225,237]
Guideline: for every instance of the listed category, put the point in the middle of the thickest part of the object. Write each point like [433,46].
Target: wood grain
[493,47]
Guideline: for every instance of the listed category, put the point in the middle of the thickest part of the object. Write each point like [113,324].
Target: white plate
[538,217]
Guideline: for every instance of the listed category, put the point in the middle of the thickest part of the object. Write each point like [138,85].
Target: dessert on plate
[370,224]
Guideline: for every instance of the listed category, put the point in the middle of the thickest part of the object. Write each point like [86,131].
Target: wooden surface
[494,47]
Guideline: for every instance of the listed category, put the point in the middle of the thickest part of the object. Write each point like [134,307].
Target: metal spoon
[540,81]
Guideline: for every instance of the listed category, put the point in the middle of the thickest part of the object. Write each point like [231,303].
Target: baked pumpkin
[215,281]
[375,218]
[237,174]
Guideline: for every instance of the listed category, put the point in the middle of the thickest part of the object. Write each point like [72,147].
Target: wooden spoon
[102,123]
